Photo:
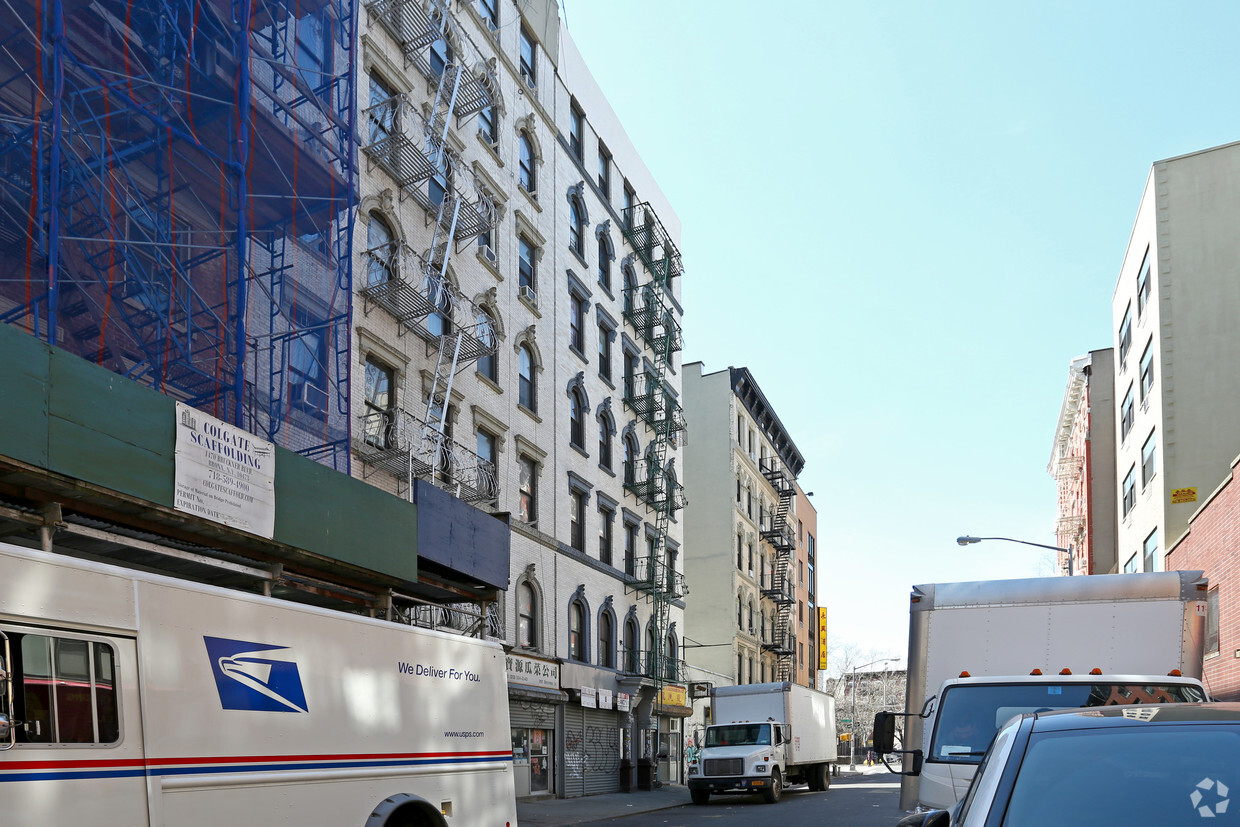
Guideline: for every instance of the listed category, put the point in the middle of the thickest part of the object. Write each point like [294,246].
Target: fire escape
[1070,524]
[648,308]
[414,286]
[776,530]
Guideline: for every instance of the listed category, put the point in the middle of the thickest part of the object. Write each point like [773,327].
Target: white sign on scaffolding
[224,474]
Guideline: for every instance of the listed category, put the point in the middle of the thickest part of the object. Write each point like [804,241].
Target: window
[1148,549]
[577,418]
[576,227]
[630,199]
[605,428]
[577,631]
[630,549]
[440,56]
[630,289]
[488,126]
[525,263]
[488,362]
[576,126]
[577,323]
[380,251]
[606,515]
[314,52]
[740,551]
[1131,566]
[528,55]
[1125,335]
[604,261]
[604,170]
[605,335]
[527,488]
[1147,372]
[527,606]
[1126,415]
[1212,621]
[1130,490]
[1149,461]
[749,555]
[438,183]
[525,149]
[1143,285]
[382,112]
[525,379]
[488,10]
[307,362]
[606,642]
[630,459]
[740,611]
[439,296]
[630,375]
[577,520]
[749,617]
[64,690]
[379,419]
[631,652]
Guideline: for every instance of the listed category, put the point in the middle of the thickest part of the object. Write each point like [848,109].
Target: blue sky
[906,219]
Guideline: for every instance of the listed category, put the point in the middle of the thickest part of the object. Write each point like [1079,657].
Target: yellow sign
[1183,495]
[847,736]
[822,638]
[674,696]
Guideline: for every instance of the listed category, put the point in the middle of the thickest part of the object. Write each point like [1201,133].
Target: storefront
[672,709]
[535,703]
[593,741]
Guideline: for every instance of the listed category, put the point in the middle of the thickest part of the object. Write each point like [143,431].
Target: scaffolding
[652,478]
[177,180]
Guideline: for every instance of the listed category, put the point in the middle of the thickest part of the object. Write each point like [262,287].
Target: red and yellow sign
[822,638]
[672,695]
[1183,495]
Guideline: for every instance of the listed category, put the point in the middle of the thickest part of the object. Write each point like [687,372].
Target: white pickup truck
[765,735]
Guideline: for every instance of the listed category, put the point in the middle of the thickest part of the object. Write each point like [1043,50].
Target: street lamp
[852,762]
[967,540]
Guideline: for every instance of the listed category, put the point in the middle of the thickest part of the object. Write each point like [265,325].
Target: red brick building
[1212,544]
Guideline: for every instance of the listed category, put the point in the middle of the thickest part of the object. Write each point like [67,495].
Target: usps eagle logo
[252,676]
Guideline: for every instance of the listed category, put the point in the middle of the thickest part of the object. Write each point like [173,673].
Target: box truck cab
[983,652]
[766,735]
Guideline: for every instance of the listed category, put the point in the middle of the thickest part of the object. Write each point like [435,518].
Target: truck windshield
[738,735]
[970,715]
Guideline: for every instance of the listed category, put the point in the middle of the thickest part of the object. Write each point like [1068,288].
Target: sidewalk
[555,812]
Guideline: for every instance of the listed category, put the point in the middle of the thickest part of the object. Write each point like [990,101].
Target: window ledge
[531,415]
[606,470]
[578,354]
[489,382]
[532,197]
[531,305]
[579,450]
[607,381]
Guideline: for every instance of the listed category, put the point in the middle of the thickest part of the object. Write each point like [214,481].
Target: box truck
[980,653]
[129,698]
[764,736]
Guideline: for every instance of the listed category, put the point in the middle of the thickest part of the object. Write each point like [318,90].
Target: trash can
[626,776]
[645,774]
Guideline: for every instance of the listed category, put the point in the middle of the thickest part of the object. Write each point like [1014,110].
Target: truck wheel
[826,776]
[813,778]
[773,792]
[700,796]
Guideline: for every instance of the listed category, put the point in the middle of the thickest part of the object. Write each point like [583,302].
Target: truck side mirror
[884,732]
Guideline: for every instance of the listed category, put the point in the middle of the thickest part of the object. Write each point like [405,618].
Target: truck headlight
[694,769]
[759,769]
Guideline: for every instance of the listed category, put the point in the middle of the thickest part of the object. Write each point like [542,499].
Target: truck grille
[724,766]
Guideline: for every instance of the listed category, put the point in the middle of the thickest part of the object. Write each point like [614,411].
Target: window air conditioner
[486,252]
[529,294]
[308,397]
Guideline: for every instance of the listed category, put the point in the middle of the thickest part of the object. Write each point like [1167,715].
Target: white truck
[980,653]
[132,699]
[764,736]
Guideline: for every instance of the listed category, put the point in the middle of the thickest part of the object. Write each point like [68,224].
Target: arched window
[630,459]
[652,651]
[577,418]
[672,658]
[488,362]
[630,289]
[380,251]
[631,652]
[604,262]
[439,295]
[525,372]
[762,628]
[440,55]
[606,641]
[750,625]
[577,631]
[527,613]
[576,227]
[526,154]
[740,611]
[605,428]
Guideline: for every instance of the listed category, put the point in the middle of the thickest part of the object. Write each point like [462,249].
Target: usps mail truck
[130,699]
